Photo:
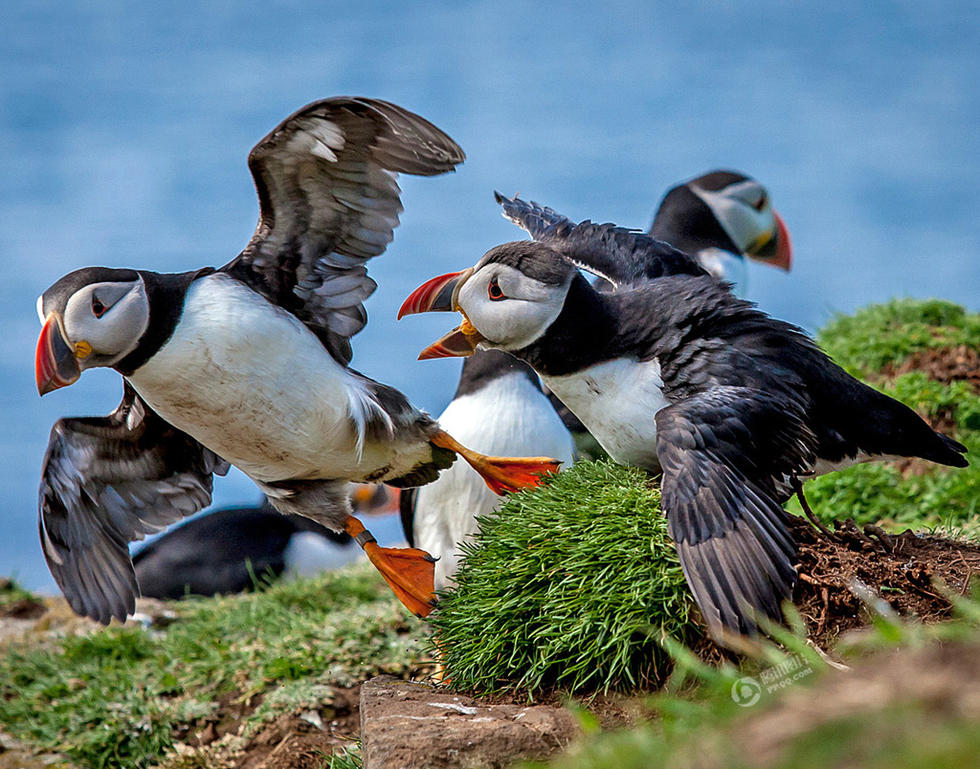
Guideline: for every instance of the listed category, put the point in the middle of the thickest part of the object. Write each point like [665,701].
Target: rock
[409,725]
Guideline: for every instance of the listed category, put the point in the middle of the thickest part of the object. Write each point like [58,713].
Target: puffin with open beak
[248,365]
[671,372]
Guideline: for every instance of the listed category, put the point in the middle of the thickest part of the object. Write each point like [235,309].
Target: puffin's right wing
[329,202]
[619,255]
[407,500]
[722,453]
[108,481]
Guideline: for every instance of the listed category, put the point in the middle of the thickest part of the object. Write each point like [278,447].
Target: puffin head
[726,210]
[508,300]
[91,317]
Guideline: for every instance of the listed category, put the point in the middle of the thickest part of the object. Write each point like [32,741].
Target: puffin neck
[580,335]
[685,221]
[165,295]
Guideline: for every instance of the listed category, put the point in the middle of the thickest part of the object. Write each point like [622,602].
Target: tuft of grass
[570,585]
[865,344]
[881,334]
[703,726]
[116,697]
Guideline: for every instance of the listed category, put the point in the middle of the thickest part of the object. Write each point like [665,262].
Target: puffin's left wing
[723,454]
[619,255]
[108,481]
[329,201]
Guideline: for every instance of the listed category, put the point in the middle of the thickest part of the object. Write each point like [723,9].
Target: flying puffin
[498,408]
[720,218]
[247,365]
[672,372]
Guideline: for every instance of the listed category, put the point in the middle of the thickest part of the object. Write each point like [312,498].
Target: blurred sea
[124,129]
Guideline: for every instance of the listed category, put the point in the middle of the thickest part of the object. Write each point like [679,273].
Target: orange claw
[501,474]
[409,572]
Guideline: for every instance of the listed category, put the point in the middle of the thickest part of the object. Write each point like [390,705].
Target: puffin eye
[761,203]
[98,309]
[494,291]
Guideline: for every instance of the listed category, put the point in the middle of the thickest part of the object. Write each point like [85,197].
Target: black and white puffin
[672,372]
[248,365]
[721,218]
[498,408]
[226,550]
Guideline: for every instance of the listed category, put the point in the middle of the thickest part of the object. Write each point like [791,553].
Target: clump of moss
[882,334]
[875,344]
[567,586]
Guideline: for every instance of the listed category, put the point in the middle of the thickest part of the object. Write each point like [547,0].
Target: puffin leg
[806,509]
[501,474]
[409,572]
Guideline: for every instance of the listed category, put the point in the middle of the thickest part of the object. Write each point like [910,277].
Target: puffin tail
[947,452]
[501,474]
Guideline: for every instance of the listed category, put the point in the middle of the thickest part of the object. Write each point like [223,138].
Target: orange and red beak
[435,295]
[440,295]
[777,250]
[55,364]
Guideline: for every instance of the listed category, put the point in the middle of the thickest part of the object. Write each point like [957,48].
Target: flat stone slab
[409,725]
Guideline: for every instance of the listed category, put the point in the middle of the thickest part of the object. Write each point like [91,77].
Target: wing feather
[109,481]
[723,453]
[329,201]
[621,256]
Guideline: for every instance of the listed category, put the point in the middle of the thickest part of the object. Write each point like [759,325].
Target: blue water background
[124,129]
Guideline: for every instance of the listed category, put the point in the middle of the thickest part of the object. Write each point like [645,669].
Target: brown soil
[944,364]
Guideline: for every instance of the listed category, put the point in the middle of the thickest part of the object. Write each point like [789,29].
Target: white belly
[507,417]
[252,383]
[617,401]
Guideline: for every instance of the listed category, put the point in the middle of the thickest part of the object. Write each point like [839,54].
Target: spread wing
[724,454]
[329,201]
[619,255]
[106,482]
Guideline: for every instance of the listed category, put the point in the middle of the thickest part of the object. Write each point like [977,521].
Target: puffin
[722,218]
[673,373]
[227,550]
[440,516]
[248,365]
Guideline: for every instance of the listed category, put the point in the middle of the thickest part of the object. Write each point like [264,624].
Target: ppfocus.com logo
[748,690]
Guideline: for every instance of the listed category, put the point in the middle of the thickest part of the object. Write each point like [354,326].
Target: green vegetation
[918,717]
[882,334]
[115,697]
[11,593]
[570,585]
[870,344]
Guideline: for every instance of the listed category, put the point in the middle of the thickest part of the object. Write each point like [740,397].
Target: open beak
[777,250]
[436,295]
[55,364]
[440,295]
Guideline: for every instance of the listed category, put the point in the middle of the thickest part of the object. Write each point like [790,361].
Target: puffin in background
[227,550]
[721,218]
[498,408]
[673,373]
[224,551]
[248,365]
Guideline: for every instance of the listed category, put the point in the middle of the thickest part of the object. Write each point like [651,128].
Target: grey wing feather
[725,454]
[621,256]
[329,201]
[108,481]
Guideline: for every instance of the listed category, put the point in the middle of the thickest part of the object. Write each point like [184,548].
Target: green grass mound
[567,586]
[886,345]
[119,697]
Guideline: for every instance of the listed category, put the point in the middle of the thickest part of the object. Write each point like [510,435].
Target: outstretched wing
[724,455]
[619,255]
[329,201]
[108,481]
